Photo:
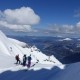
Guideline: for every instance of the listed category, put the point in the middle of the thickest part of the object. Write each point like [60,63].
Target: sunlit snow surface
[10,47]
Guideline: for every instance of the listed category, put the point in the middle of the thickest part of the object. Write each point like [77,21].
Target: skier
[24,60]
[29,61]
[17,59]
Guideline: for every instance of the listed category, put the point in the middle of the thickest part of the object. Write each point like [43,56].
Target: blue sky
[54,15]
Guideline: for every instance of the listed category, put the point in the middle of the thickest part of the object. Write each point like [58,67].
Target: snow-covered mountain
[48,67]
[9,48]
[65,39]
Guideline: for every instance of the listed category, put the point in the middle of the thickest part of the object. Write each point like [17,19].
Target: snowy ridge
[67,39]
[22,44]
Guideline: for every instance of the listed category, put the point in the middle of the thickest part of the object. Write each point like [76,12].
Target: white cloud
[23,16]
[68,28]
[63,29]
[78,25]
[24,28]
[19,19]
[60,28]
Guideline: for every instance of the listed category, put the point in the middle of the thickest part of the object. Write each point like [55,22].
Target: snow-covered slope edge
[22,44]
[71,72]
[11,47]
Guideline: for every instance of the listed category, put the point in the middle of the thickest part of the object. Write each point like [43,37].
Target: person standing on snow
[17,59]
[24,60]
[29,61]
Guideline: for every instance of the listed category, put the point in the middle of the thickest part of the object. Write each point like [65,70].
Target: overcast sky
[40,17]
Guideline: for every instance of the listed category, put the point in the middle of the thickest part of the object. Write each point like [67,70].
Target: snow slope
[71,72]
[22,44]
[48,68]
[9,48]
[10,71]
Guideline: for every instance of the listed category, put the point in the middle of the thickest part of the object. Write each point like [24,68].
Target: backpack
[29,58]
[17,57]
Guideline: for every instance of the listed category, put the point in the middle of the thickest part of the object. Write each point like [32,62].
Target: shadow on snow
[42,74]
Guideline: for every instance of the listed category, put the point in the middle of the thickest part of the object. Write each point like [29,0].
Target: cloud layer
[55,29]
[19,19]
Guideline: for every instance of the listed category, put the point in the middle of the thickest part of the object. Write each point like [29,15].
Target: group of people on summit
[25,59]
